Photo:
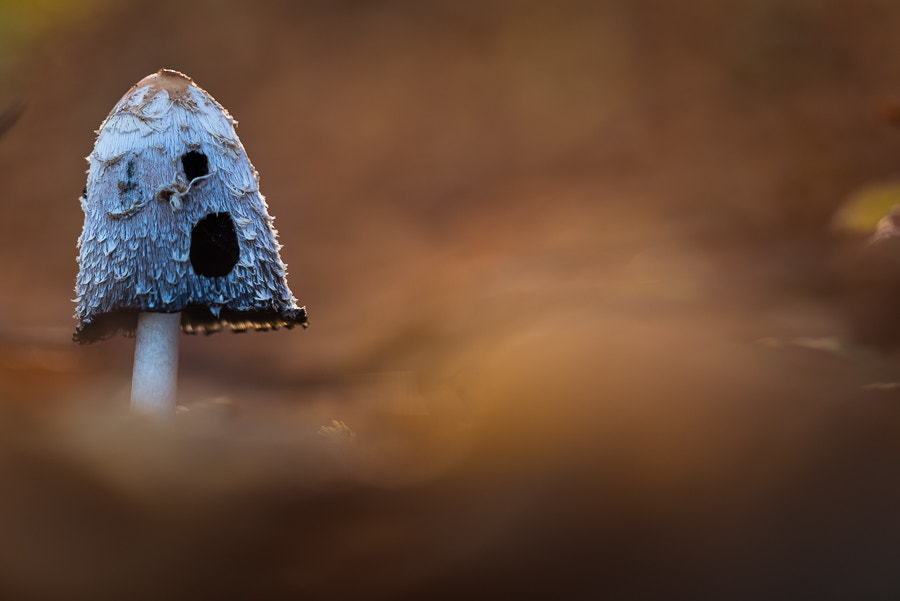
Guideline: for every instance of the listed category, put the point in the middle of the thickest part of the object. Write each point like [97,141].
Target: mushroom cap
[174,220]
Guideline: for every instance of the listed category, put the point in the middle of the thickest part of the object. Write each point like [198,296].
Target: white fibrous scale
[174,220]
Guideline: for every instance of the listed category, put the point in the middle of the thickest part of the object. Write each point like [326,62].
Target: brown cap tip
[170,80]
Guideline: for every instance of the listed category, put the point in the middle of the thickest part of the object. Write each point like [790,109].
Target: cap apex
[167,79]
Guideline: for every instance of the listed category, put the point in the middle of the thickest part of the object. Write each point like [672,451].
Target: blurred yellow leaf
[861,212]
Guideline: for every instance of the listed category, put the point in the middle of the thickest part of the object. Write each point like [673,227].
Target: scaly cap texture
[174,220]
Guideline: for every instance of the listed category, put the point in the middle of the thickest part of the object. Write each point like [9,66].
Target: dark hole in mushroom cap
[195,164]
[214,246]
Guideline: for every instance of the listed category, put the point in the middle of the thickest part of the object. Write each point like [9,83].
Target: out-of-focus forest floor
[575,290]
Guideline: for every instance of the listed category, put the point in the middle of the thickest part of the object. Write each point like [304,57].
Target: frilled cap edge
[195,319]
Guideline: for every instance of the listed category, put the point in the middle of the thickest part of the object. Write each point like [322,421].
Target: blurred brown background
[574,287]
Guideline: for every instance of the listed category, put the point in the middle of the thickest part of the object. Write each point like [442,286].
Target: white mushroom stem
[156,364]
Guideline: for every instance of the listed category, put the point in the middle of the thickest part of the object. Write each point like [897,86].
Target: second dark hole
[214,246]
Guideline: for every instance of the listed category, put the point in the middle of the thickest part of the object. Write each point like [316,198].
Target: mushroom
[176,233]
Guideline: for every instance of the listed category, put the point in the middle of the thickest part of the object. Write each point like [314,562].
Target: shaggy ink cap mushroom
[174,220]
